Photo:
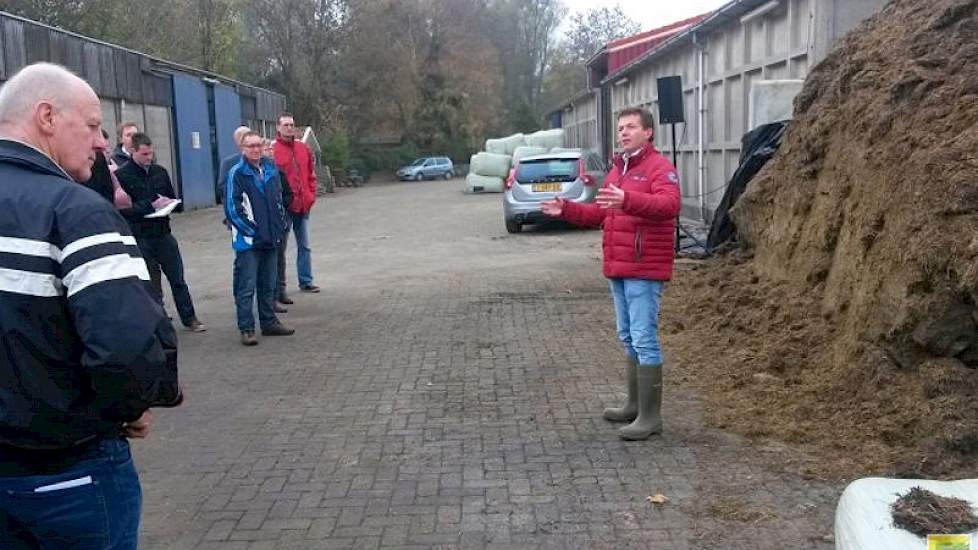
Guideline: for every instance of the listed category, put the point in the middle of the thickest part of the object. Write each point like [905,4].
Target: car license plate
[546,187]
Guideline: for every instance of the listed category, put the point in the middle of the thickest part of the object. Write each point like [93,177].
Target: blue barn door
[192,135]
[227,118]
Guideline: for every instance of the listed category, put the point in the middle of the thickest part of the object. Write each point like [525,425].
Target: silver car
[427,168]
[574,176]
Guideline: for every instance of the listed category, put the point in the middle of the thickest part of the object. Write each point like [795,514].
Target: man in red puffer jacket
[637,206]
[298,167]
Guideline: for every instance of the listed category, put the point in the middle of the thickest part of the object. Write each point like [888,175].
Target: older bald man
[227,163]
[85,348]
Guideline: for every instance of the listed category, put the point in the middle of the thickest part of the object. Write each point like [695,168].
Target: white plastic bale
[546,138]
[474,183]
[527,151]
[864,521]
[506,145]
[496,146]
[490,164]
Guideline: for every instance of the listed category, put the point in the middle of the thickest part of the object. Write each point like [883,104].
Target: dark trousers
[255,270]
[282,246]
[92,505]
[163,253]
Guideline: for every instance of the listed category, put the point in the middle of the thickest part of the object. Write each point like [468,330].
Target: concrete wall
[732,57]
[834,18]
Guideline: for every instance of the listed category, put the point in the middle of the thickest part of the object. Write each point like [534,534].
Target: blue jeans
[164,253]
[303,254]
[97,509]
[255,269]
[637,316]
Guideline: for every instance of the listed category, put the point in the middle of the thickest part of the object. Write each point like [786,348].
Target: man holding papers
[152,199]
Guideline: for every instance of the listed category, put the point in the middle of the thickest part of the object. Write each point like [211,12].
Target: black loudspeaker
[670,100]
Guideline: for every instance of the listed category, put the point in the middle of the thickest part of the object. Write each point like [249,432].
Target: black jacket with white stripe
[83,345]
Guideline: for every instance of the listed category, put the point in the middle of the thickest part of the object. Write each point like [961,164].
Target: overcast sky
[650,13]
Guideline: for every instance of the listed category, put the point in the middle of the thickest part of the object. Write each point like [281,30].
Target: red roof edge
[650,33]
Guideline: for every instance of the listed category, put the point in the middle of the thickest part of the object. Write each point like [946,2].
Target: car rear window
[536,171]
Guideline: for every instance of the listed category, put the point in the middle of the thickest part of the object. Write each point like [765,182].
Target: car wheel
[419,177]
[513,227]
[449,175]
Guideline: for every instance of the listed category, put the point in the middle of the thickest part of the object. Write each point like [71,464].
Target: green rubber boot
[649,419]
[629,410]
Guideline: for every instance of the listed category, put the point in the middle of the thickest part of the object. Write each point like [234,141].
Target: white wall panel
[777,45]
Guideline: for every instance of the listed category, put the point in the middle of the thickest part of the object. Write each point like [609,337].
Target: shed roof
[113,71]
[726,13]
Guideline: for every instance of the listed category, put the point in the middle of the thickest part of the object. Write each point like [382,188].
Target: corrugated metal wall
[112,72]
[195,158]
[227,117]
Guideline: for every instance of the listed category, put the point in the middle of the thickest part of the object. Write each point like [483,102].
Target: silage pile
[851,320]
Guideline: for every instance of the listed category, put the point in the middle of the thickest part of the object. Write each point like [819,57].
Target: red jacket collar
[283,141]
[637,158]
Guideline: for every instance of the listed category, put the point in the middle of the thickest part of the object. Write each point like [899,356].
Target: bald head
[37,82]
[52,109]
[239,134]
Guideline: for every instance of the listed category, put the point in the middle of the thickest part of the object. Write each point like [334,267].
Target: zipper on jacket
[638,245]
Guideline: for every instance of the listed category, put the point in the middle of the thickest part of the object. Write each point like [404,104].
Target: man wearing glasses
[254,208]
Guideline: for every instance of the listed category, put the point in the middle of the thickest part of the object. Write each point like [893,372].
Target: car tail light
[511,177]
[588,179]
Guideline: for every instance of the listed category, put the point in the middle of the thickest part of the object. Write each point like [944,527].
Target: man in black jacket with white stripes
[85,350]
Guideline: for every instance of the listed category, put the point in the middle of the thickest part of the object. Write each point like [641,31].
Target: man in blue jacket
[253,205]
[84,349]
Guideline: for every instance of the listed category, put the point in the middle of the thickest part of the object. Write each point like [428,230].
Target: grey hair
[239,133]
[37,82]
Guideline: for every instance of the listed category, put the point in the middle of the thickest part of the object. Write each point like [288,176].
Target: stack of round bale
[488,169]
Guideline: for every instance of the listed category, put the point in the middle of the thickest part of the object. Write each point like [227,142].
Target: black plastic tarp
[757,147]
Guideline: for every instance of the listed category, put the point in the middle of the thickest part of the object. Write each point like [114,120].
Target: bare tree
[589,31]
[295,46]
[593,28]
[524,34]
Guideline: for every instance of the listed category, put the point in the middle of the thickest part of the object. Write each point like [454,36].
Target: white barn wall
[580,123]
[735,55]
[782,44]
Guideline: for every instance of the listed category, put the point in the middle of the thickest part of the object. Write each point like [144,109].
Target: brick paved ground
[444,391]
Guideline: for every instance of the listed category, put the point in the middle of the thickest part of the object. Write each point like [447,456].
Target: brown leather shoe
[278,329]
[283,298]
[279,308]
[196,326]
[248,338]
[310,288]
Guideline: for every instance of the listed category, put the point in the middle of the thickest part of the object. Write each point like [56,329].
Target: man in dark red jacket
[637,207]
[298,166]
